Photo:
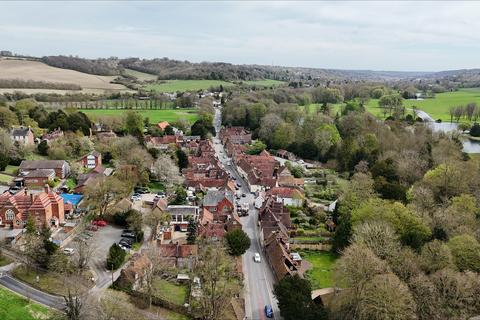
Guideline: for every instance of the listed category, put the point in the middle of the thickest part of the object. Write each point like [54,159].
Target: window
[9,214]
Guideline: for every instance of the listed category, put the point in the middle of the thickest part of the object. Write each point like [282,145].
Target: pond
[469,146]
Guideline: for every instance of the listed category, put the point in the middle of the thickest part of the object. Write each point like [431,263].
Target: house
[61,167]
[85,179]
[46,208]
[53,135]
[237,135]
[134,276]
[260,171]
[163,143]
[273,217]
[22,136]
[288,196]
[163,125]
[181,216]
[220,203]
[282,262]
[286,179]
[182,256]
[284,154]
[38,178]
[91,160]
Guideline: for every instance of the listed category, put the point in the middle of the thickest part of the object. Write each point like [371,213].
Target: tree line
[31,84]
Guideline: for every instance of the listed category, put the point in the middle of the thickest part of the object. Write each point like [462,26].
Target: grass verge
[323,264]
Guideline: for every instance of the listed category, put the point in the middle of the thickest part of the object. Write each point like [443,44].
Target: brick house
[38,178]
[53,135]
[46,208]
[279,257]
[220,203]
[22,136]
[61,167]
[237,135]
[91,160]
[182,256]
[260,171]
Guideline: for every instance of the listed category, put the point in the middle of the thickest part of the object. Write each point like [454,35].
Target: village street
[258,277]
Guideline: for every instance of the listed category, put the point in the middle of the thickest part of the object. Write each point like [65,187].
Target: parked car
[243,195]
[92,227]
[135,198]
[125,245]
[68,251]
[100,223]
[268,311]
[256,257]
[141,190]
[131,235]
[89,233]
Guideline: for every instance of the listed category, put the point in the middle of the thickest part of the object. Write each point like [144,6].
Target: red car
[100,223]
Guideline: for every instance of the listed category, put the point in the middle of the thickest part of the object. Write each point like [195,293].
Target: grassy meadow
[265,83]
[142,76]
[185,85]
[154,115]
[14,307]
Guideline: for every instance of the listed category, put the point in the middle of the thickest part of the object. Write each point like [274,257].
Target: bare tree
[83,254]
[74,305]
[166,171]
[104,193]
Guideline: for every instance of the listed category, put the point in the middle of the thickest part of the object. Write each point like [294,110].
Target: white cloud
[353,35]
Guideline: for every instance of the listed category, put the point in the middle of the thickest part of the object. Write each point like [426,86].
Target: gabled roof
[41,164]
[163,124]
[213,197]
[285,192]
[41,173]
[20,132]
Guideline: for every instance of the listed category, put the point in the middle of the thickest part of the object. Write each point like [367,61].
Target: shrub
[116,256]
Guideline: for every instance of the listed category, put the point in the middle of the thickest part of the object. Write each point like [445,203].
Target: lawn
[156,186]
[5,179]
[11,170]
[15,307]
[323,264]
[154,115]
[170,291]
[48,281]
[186,85]
[70,183]
[4,261]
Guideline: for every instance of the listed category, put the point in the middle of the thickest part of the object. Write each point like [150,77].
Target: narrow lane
[258,277]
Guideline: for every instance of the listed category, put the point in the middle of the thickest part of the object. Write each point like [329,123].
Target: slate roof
[41,173]
[20,132]
[41,164]
[213,197]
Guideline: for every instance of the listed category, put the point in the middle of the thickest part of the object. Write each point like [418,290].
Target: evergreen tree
[191,231]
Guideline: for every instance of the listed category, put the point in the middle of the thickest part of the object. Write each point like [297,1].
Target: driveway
[101,243]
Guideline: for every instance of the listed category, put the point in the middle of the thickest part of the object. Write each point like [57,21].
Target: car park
[268,311]
[256,257]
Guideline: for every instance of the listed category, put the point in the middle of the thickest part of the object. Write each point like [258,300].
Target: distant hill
[168,69]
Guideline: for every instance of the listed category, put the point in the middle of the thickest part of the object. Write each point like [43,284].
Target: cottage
[288,196]
[91,160]
[38,178]
[53,135]
[279,257]
[182,256]
[134,276]
[220,203]
[22,136]
[61,167]
[260,171]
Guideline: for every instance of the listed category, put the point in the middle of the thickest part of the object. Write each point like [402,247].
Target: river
[469,146]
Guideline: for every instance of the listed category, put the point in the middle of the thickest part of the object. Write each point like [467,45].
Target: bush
[475,130]
[116,256]
[300,232]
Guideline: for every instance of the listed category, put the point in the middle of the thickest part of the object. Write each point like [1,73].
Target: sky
[396,36]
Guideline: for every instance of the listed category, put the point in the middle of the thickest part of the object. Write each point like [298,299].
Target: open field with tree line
[185,85]
[153,115]
[25,70]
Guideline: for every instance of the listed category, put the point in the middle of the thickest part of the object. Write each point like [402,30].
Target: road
[258,277]
[21,288]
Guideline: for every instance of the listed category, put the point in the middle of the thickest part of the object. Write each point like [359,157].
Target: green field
[142,76]
[186,85]
[323,264]
[154,115]
[437,108]
[15,307]
[11,170]
[266,82]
